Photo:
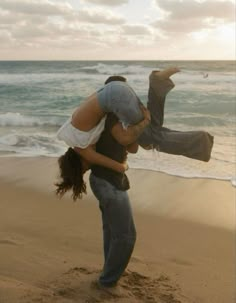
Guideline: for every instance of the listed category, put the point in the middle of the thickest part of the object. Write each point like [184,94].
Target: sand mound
[79,285]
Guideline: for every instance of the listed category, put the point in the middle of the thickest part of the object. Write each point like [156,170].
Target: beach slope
[51,249]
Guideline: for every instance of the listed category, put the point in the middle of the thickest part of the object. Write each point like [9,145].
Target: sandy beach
[51,249]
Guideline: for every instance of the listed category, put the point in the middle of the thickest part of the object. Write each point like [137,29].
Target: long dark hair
[71,173]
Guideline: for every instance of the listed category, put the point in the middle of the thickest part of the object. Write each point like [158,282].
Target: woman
[73,165]
[84,128]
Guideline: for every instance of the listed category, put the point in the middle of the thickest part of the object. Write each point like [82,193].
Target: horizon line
[147,60]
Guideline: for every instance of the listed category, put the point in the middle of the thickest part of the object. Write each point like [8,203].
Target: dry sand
[51,250]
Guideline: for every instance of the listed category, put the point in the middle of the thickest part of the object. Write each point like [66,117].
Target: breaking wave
[17,119]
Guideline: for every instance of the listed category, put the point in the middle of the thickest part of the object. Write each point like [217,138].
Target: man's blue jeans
[119,232]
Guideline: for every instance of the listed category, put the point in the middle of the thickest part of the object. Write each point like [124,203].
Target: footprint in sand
[181,262]
[148,290]
[8,242]
[77,285]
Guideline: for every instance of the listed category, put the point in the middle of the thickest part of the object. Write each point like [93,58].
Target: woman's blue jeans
[119,234]
[119,98]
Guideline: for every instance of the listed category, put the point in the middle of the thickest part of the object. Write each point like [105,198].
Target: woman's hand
[146,114]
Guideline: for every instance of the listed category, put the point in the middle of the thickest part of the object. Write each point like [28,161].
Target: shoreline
[230,179]
[214,207]
[51,249]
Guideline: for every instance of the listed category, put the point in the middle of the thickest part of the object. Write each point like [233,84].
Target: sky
[117,29]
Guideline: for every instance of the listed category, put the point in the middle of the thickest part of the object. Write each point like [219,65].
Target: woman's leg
[118,216]
[192,144]
[118,97]
[159,87]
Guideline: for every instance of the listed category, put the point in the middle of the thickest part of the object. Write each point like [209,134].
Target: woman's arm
[90,155]
[132,148]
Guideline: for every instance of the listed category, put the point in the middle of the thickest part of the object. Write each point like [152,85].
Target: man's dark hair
[115,78]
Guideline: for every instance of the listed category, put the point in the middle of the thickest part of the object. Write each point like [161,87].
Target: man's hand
[130,135]
[124,167]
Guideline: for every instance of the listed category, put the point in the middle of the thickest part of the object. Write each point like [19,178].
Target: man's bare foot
[113,291]
[166,73]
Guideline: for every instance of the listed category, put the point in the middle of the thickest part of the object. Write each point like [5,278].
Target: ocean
[37,97]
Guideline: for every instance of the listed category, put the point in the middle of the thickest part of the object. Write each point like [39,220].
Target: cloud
[27,21]
[189,16]
[100,16]
[33,7]
[174,27]
[7,18]
[136,29]
[194,9]
[41,23]
[6,39]
[108,2]
[54,29]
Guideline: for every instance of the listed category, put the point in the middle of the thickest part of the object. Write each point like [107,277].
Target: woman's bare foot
[166,73]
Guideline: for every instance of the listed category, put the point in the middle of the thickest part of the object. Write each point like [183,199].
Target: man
[110,188]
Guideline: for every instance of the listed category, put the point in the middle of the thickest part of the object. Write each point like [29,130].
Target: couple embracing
[110,124]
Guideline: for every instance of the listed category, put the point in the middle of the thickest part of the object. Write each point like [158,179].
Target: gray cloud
[108,2]
[52,28]
[136,29]
[33,7]
[25,31]
[193,9]
[7,18]
[185,16]
[5,38]
[180,26]
[27,22]
[98,16]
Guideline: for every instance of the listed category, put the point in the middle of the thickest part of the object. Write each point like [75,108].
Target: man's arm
[90,155]
[130,135]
